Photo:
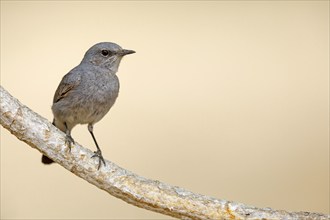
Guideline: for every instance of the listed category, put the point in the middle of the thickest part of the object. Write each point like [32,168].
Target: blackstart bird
[87,92]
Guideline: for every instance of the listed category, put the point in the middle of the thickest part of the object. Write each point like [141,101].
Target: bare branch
[153,195]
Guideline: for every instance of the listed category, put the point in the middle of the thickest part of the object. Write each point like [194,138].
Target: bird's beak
[124,52]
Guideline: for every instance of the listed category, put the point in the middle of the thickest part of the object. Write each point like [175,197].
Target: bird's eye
[105,52]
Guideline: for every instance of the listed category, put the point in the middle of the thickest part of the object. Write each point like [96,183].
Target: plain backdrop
[226,99]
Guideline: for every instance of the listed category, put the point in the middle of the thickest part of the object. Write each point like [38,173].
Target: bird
[86,94]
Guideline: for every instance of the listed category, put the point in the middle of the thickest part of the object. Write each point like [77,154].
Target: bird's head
[106,55]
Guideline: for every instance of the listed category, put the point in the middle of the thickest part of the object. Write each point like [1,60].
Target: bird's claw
[68,141]
[98,154]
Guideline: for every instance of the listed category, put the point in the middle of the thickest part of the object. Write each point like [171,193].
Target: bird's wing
[68,83]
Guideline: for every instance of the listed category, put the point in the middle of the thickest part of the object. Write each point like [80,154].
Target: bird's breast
[99,96]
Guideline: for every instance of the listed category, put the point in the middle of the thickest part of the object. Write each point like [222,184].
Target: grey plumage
[88,91]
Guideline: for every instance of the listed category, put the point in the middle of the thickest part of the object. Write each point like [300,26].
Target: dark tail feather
[46,160]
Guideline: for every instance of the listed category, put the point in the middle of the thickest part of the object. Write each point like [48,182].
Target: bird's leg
[68,140]
[97,153]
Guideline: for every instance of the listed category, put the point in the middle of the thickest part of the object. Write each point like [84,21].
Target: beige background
[227,99]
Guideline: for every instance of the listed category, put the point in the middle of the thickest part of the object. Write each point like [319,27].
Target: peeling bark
[153,195]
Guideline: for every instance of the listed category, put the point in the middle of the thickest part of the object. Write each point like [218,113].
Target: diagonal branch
[153,195]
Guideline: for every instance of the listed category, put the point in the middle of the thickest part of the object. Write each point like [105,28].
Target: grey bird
[87,92]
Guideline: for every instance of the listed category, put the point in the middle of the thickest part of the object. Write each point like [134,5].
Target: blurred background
[226,99]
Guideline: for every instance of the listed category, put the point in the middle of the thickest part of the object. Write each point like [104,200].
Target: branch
[153,195]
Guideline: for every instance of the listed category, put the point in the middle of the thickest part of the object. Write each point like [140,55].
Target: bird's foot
[68,141]
[98,154]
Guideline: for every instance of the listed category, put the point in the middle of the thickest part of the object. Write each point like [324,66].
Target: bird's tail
[45,159]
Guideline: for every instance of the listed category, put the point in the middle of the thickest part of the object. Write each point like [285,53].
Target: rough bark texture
[153,195]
